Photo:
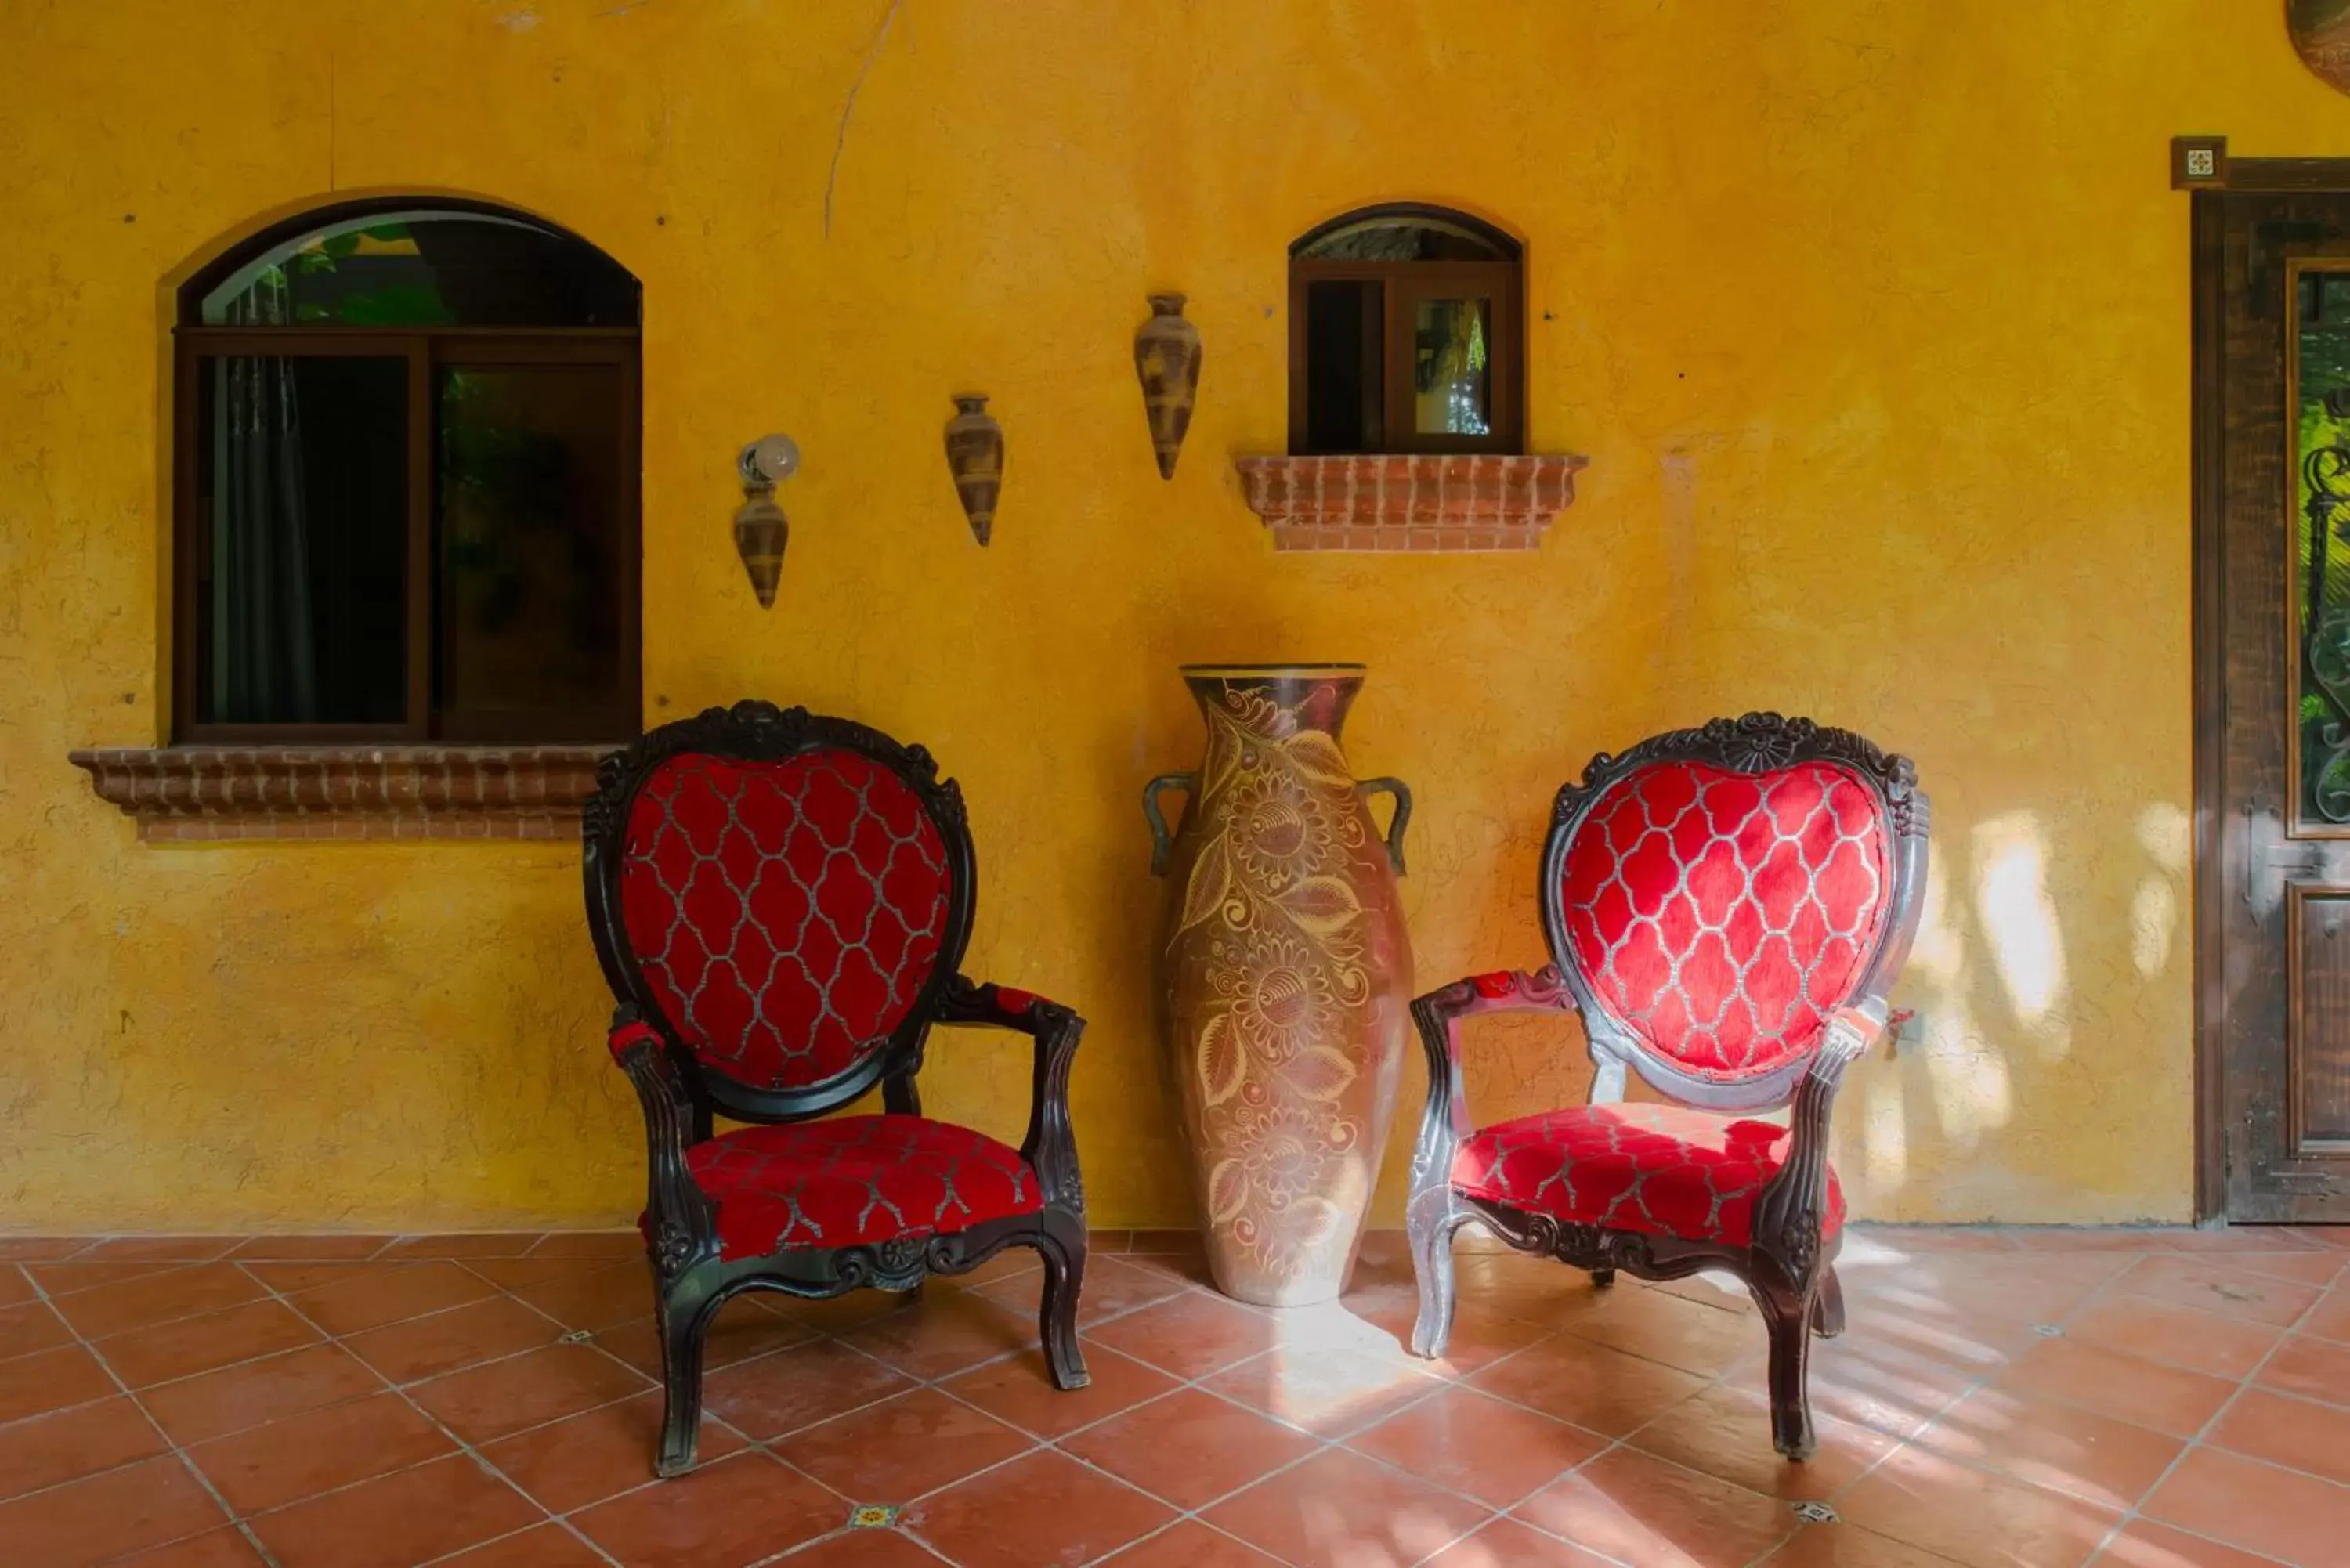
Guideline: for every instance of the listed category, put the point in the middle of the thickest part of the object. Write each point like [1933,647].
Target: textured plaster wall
[1871,317]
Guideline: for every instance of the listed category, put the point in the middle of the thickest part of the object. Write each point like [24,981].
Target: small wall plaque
[2199,162]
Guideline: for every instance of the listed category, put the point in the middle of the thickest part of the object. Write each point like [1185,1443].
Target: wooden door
[2273,720]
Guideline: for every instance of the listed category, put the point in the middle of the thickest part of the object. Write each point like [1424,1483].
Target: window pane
[1344,360]
[426,268]
[303,491]
[2322,542]
[1451,391]
[530,512]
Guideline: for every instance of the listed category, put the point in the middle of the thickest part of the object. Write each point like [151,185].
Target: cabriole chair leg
[1064,1251]
[682,1325]
[1431,1236]
[1790,1324]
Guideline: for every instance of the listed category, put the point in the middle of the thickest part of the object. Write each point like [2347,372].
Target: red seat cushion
[856,1179]
[1655,1169]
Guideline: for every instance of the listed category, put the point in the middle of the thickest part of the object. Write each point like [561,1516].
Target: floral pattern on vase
[1286,980]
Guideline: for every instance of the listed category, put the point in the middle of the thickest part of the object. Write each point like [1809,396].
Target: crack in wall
[848,108]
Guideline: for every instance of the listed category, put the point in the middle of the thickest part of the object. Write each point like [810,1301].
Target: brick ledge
[1428,503]
[208,794]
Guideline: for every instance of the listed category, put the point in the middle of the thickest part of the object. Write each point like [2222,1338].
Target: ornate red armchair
[781,901]
[1726,907]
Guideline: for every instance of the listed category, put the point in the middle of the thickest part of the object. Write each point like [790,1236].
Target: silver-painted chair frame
[1788,1267]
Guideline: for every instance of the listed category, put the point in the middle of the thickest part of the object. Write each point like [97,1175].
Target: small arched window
[1406,334]
[406,487]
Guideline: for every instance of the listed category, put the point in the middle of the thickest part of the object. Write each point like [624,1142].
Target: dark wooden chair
[781,902]
[1727,909]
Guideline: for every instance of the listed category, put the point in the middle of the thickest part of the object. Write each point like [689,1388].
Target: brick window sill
[210,794]
[1427,502]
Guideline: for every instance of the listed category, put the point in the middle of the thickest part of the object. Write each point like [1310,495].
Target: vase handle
[1400,793]
[1162,843]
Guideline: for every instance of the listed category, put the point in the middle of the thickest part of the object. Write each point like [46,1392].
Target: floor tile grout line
[173,1447]
[461,1446]
[1440,1386]
[1988,1377]
[1546,1334]
[2103,1290]
[2201,1439]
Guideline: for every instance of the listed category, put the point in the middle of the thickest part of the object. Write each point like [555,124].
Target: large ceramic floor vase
[1285,979]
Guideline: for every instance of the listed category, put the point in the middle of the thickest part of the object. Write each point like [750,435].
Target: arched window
[1406,334]
[406,487]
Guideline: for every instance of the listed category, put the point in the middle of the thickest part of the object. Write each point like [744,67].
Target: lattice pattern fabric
[1722,917]
[856,1179]
[784,914]
[1655,1169]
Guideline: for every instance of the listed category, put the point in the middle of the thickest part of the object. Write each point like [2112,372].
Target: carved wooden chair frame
[680,1094]
[1787,1267]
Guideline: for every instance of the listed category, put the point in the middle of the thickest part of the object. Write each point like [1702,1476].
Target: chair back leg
[1827,1307]
[1063,1248]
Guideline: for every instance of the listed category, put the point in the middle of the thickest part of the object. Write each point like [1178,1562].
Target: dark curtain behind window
[261,667]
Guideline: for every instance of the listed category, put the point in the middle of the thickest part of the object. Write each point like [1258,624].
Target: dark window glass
[530,488]
[1343,382]
[425,268]
[406,496]
[303,499]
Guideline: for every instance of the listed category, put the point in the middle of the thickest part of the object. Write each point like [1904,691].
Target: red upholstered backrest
[1719,917]
[784,914]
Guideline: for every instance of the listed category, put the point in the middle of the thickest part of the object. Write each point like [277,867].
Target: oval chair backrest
[1711,905]
[786,894]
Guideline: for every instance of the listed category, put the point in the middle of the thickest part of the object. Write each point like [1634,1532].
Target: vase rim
[1269,671]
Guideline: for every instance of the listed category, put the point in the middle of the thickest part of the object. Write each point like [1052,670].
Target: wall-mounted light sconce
[761,530]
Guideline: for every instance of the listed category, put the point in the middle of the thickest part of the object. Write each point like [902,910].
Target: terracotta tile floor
[2004,1399]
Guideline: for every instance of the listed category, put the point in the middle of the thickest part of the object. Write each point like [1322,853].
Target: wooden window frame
[425,350]
[1403,285]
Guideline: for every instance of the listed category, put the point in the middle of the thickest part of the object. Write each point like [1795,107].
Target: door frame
[2210,184]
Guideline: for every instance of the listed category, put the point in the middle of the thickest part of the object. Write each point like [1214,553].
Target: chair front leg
[1791,1272]
[1435,1213]
[680,1232]
[1063,1249]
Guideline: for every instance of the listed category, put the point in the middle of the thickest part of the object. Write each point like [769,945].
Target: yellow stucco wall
[1872,318]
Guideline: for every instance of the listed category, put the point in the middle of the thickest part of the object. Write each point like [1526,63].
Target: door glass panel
[530,515]
[2321,575]
[303,527]
[1451,393]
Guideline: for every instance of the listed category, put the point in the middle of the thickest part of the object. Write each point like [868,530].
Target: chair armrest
[680,1226]
[1437,1015]
[1791,1208]
[1051,1146]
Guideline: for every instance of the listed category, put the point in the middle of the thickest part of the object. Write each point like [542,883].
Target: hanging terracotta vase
[761,532]
[1167,358]
[1284,977]
[2321,32]
[976,458]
